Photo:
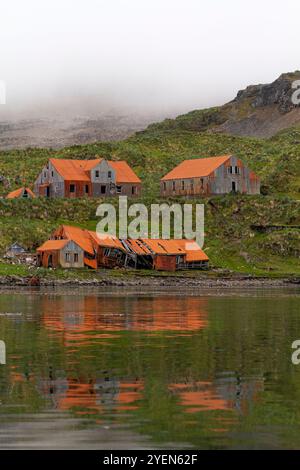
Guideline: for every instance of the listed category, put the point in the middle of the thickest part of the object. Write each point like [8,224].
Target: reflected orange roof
[75,319]
[74,170]
[200,396]
[19,193]
[52,245]
[196,167]
[124,174]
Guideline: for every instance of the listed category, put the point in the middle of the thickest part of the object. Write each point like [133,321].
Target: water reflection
[95,314]
[206,371]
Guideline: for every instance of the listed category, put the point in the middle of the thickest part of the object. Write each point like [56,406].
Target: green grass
[230,242]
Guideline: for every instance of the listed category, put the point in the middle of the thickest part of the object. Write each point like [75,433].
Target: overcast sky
[163,55]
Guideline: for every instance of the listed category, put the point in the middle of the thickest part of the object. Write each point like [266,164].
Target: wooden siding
[58,258]
[165,263]
[219,182]
[50,183]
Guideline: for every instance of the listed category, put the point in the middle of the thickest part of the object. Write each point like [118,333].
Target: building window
[230,170]
[52,173]
[133,190]
[192,185]
[165,186]
[109,174]
[76,257]
[97,174]
[182,185]
[45,174]
[173,186]
[119,189]
[86,188]
[68,257]
[202,182]
[237,170]
[72,188]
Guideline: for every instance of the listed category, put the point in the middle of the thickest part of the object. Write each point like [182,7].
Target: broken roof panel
[105,240]
[163,247]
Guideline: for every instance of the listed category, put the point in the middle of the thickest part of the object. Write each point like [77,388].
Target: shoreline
[236,281]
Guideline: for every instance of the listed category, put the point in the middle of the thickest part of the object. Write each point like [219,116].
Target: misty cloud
[167,56]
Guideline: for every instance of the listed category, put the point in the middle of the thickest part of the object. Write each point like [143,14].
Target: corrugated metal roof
[124,174]
[89,240]
[79,236]
[19,193]
[163,247]
[52,245]
[79,170]
[192,250]
[136,246]
[74,170]
[106,241]
[196,168]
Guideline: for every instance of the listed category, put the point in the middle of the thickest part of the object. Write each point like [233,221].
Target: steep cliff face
[278,93]
[257,111]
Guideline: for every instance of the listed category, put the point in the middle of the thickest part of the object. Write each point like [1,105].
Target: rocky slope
[257,111]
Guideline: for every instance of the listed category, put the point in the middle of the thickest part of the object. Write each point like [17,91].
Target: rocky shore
[236,281]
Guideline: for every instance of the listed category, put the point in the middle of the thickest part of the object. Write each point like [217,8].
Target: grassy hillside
[230,242]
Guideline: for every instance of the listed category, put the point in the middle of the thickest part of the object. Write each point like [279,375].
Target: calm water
[127,369]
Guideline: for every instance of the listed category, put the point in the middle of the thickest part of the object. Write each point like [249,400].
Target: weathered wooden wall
[219,182]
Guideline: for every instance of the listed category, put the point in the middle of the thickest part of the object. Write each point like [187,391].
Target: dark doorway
[50,262]
[86,189]
[233,186]
[47,191]
[103,189]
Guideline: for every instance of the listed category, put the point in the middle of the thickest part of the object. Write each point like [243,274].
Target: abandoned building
[16,253]
[90,178]
[210,176]
[64,253]
[88,249]
[21,193]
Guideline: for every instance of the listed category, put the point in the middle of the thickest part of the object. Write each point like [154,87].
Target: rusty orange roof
[192,250]
[124,174]
[195,168]
[52,245]
[74,170]
[163,247]
[19,193]
[79,170]
[106,240]
[79,236]
[136,246]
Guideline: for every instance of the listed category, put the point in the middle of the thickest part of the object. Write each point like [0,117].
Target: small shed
[14,250]
[60,253]
[21,193]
